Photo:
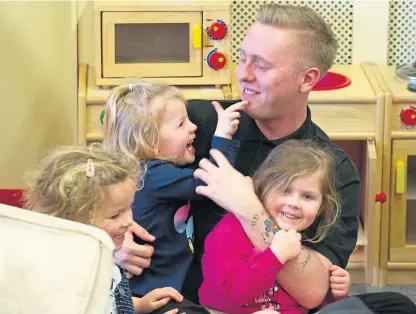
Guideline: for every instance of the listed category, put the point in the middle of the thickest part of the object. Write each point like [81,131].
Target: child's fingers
[335,279]
[235,122]
[174,311]
[217,106]
[237,106]
[338,286]
[235,115]
[339,273]
[159,303]
[333,268]
[172,293]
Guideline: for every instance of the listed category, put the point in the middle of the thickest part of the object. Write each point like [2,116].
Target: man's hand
[156,299]
[226,186]
[132,256]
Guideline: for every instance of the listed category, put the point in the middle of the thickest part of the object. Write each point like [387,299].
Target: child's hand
[228,119]
[156,299]
[339,281]
[286,244]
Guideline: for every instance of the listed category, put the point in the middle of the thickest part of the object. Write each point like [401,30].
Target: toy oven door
[151,44]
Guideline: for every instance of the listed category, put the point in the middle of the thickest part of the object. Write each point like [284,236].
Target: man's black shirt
[254,148]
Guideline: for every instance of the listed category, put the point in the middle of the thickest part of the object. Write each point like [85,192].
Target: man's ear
[309,78]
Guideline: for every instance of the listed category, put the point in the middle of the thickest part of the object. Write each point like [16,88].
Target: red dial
[408,116]
[216,60]
[217,30]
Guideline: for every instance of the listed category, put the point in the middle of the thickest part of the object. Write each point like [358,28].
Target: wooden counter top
[397,85]
[98,96]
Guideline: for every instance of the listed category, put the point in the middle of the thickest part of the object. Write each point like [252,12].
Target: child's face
[297,206]
[176,133]
[118,217]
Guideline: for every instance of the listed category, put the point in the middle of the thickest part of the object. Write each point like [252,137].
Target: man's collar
[249,131]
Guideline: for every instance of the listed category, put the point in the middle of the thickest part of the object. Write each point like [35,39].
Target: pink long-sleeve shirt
[239,278]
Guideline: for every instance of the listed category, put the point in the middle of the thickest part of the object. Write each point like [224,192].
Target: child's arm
[232,269]
[169,181]
[155,299]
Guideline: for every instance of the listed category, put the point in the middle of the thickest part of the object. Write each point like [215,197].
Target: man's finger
[207,165]
[141,233]
[219,158]
[203,190]
[201,175]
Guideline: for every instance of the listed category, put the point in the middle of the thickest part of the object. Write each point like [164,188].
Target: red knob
[381,198]
[217,30]
[408,116]
[216,60]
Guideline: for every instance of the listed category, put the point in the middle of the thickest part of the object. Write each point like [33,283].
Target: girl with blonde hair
[149,122]
[296,184]
[91,186]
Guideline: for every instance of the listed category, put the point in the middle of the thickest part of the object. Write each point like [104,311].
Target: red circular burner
[408,116]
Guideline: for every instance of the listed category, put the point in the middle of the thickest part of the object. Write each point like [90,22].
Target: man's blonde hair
[315,40]
[61,187]
[293,159]
[131,119]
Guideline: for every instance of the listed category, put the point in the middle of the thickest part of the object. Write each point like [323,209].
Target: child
[297,188]
[91,186]
[149,122]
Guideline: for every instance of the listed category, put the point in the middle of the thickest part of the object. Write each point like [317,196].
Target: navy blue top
[162,207]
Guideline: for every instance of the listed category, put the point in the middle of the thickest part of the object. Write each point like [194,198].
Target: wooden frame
[210,11]
[396,263]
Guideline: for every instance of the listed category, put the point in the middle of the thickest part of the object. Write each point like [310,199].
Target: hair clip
[90,171]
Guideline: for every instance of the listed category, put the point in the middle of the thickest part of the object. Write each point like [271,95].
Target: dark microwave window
[152,43]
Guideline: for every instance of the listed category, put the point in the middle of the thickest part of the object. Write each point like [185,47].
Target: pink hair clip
[90,171]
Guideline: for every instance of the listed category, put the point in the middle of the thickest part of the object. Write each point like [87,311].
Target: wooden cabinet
[398,227]
[402,246]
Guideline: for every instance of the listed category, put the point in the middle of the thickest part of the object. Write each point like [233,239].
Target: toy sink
[331,81]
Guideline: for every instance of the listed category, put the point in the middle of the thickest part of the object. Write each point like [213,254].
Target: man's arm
[306,278]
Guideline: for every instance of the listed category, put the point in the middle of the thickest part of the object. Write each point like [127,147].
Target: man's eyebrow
[256,57]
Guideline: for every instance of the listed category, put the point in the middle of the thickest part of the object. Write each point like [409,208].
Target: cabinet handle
[197,37]
[400,176]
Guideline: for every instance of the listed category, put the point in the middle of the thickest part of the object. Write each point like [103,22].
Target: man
[284,54]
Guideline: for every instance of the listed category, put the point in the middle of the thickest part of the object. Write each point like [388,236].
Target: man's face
[268,72]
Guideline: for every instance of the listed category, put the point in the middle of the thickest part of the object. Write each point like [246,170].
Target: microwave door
[152,44]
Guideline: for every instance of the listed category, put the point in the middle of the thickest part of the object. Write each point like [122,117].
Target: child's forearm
[136,304]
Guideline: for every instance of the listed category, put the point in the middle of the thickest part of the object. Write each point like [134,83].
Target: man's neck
[281,127]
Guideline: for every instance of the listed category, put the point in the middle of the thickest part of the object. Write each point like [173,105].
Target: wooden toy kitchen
[190,45]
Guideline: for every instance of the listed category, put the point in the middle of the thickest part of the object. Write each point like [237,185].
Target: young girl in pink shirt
[296,185]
